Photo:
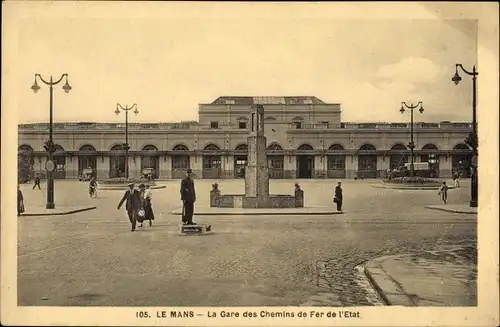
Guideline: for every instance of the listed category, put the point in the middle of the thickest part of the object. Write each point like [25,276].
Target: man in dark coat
[188,198]
[132,205]
[338,196]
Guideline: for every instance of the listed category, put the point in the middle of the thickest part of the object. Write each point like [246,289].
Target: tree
[471,141]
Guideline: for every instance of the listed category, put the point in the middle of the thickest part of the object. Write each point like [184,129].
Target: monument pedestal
[195,229]
[256,175]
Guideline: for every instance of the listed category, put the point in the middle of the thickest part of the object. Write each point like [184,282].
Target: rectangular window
[253,118]
[336,163]
[214,125]
[325,123]
[180,162]
[298,125]
[242,125]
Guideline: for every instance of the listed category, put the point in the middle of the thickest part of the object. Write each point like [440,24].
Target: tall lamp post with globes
[49,145]
[126,146]
[472,139]
[411,145]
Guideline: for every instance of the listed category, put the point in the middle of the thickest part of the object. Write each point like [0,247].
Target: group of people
[138,204]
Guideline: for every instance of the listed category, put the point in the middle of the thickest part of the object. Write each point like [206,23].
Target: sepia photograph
[210,163]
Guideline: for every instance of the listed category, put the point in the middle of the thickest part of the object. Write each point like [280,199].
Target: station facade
[306,139]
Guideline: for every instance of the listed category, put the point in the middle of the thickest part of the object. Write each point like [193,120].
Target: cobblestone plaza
[92,259]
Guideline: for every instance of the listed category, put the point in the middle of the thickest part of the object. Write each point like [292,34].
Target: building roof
[249,100]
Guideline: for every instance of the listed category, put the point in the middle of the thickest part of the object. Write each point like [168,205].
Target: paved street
[92,258]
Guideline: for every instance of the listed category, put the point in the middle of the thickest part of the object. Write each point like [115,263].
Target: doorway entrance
[305,166]
[305,161]
[240,160]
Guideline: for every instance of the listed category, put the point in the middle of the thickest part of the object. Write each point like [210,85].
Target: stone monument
[256,175]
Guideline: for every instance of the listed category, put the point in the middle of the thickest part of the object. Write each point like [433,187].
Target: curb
[451,210]
[418,188]
[117,188]
[376,286]
[397,293]
[178,212]
[62,213]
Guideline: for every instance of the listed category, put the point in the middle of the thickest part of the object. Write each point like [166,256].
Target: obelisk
[257,172]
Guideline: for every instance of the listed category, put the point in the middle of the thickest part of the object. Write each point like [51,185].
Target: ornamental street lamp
[126,146]
[49,145]
[411,145]
[472,139]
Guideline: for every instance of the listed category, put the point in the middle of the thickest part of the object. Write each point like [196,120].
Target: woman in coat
[148,206]
[20,201]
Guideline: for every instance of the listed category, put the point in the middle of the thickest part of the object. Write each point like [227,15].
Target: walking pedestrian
[37,182]
[133,204]
[188,198]
[20,201]
[443,191]
[338,196]
[456,179]
[148,208]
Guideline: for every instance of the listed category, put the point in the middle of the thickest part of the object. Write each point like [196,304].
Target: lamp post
[126,146]
[49,145]
[411,145]
[472,139]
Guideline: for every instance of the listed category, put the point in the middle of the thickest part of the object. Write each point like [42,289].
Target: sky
[169,64]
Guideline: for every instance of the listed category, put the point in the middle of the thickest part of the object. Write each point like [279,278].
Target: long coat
[338,192]
[20,202]
[188,192]
[133,201]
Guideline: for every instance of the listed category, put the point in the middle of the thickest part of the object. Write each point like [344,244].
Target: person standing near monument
[188,198]
[338,196]
[133,204]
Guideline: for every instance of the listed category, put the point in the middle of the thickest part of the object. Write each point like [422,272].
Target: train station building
[306,139]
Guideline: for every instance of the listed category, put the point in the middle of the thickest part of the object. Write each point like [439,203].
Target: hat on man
[131,184]
[142,185]
[189,171]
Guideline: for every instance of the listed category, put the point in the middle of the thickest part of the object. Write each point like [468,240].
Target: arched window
[87,158]
[367,147]
[274,146]
[429,147]
[367,163]
[305,147]
[431,158]
[25,148]
[211,147]
[461,160]
[336,162]
[241,147]
[398,146]
[212,163]
[180,147]
[60,162]
[461,146]
[117,165]
[150,162]
[336,147]
[149,147]
[87,148]
[397,159]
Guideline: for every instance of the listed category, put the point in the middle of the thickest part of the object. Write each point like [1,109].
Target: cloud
[413,70]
